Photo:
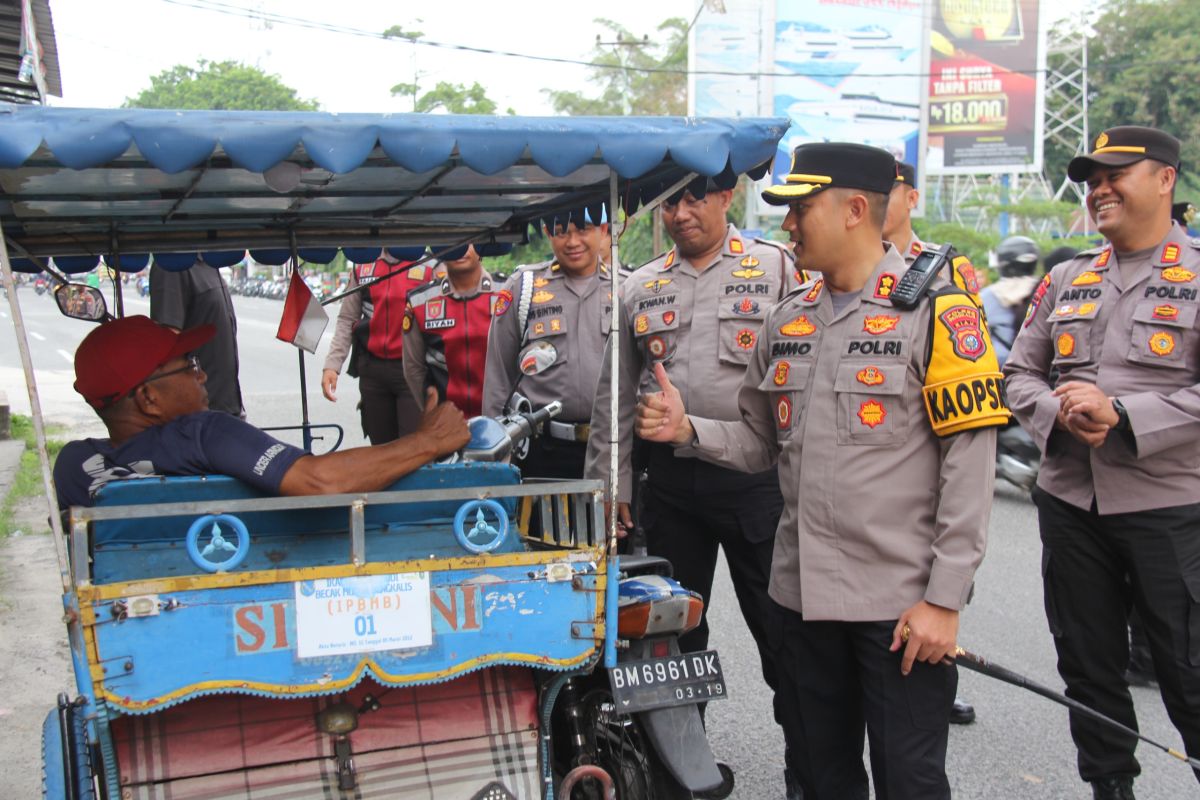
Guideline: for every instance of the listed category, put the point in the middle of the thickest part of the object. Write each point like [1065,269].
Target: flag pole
[305,426]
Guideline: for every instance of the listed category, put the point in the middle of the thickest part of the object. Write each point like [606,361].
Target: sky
[109,49]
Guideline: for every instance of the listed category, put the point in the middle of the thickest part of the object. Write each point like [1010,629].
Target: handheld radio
[916,281]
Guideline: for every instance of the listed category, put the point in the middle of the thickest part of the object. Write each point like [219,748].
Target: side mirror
[81,302]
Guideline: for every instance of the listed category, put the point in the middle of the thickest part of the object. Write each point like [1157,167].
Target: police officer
[698,309]
[1118,493]
[881,417]
[370,326]
[547,341]
[898,229]
[446,326]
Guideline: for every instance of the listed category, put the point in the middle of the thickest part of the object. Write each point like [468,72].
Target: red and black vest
[381,328]
[455,330]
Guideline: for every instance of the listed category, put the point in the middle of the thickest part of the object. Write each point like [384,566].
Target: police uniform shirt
[702,325]
[1137,341]
[880,510]
[557,355]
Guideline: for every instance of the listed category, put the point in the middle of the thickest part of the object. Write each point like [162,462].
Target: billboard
[987,59]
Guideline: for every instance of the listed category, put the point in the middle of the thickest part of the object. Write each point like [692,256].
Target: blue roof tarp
[74,181]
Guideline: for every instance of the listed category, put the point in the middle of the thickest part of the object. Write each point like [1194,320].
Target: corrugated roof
[12,89]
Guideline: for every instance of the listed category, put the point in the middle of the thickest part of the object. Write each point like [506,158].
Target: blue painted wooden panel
[244,638]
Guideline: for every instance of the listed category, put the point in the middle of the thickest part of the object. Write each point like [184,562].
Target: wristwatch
[1122,416]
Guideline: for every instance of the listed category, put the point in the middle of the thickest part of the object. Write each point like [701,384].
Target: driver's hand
[624,519]
[329,380]
[444,423]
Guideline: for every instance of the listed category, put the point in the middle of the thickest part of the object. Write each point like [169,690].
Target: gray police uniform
[702,326]
[1130,507]
[547,343]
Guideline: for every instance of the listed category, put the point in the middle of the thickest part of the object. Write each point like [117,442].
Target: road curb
[10,462]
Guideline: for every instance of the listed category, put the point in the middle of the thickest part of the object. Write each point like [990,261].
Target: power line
[282,19]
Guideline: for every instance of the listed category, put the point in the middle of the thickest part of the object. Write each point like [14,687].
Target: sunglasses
[192,365]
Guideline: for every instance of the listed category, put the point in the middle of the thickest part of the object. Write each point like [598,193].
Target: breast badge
[880,323]
[657,346]
[435,308]
[800,326]
[745,307]
[556,325]
[1166,312]
[749,261]
[540,283]
[870,376]
[539,328]
[872,413]
[966,334]
[1086,309]
[783,412]
[749,273]
[1065,344]
[657,284]
[641,324]
[781,373]
[1086,279]
[1162,343]
[885,285]
[1178,275]
[746,338]
[668,317]
[542,296]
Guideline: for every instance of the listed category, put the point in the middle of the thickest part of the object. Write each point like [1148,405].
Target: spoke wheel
[619,747]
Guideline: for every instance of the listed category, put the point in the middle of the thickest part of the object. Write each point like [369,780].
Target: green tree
[453,97]
[627,86]
[1144,69]
[220,85]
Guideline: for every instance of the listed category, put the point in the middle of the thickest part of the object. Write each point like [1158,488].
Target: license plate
[669,681]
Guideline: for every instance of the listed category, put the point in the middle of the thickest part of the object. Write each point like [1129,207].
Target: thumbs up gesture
[661,416]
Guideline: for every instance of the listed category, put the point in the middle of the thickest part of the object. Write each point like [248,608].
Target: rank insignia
[749,261]
[539,328]
[815,291]
[668,317]
[657,346]
[435,308]
[503,301]
[656,284]
[1102,261]
[542,296]
[869,376]
[540,282]
[885,285]
[1166,312]
[880,323]
[1178,274]
[749,273]
[800,326]
[736,247]
[1162,343]
[555,325]
[641,324]
[783,412]
[1086,278]
[407,323]
[1065,344]
[916,249]
[745,339]
[781,373]
[1170,254]
[1086,309]
[965,329]
[555,267]
[670,259]
[745,307]
[872,413]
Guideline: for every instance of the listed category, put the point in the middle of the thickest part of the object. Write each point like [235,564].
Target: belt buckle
[582,432]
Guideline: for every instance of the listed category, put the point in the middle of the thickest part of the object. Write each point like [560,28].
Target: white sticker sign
[336,616]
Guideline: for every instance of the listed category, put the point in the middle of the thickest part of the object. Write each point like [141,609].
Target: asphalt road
[1018,749]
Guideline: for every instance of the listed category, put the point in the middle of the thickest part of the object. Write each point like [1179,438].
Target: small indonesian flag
[304,320]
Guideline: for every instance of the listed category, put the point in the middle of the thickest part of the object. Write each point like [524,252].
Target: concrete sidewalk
[10,461]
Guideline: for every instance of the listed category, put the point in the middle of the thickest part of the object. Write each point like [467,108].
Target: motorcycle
[40,285]
[1017,457]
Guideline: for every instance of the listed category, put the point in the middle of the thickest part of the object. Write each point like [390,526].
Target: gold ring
[905,632]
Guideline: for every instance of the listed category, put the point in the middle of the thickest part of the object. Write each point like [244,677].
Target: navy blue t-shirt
[204,443]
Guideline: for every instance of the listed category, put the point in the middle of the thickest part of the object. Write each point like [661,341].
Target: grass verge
[28,480]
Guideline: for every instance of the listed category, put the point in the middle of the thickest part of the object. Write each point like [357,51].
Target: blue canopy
[90,181]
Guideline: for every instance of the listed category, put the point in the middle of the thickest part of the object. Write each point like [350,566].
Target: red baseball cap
[121,353]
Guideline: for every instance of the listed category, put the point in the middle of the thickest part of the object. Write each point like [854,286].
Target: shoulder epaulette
[420,294]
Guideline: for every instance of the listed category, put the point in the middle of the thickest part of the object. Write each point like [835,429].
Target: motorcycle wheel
[621,748]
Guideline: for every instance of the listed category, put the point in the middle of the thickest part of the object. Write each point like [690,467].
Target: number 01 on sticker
[336,616]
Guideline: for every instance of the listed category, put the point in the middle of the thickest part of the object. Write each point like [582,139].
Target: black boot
[1117,787]
[962,713]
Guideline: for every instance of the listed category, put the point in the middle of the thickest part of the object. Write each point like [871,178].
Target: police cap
[1123,145]
[834,165]
[906,174]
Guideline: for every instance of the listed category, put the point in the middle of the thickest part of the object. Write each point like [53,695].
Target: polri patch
[965,328]
[872,413]
[503,301]
[870,376]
